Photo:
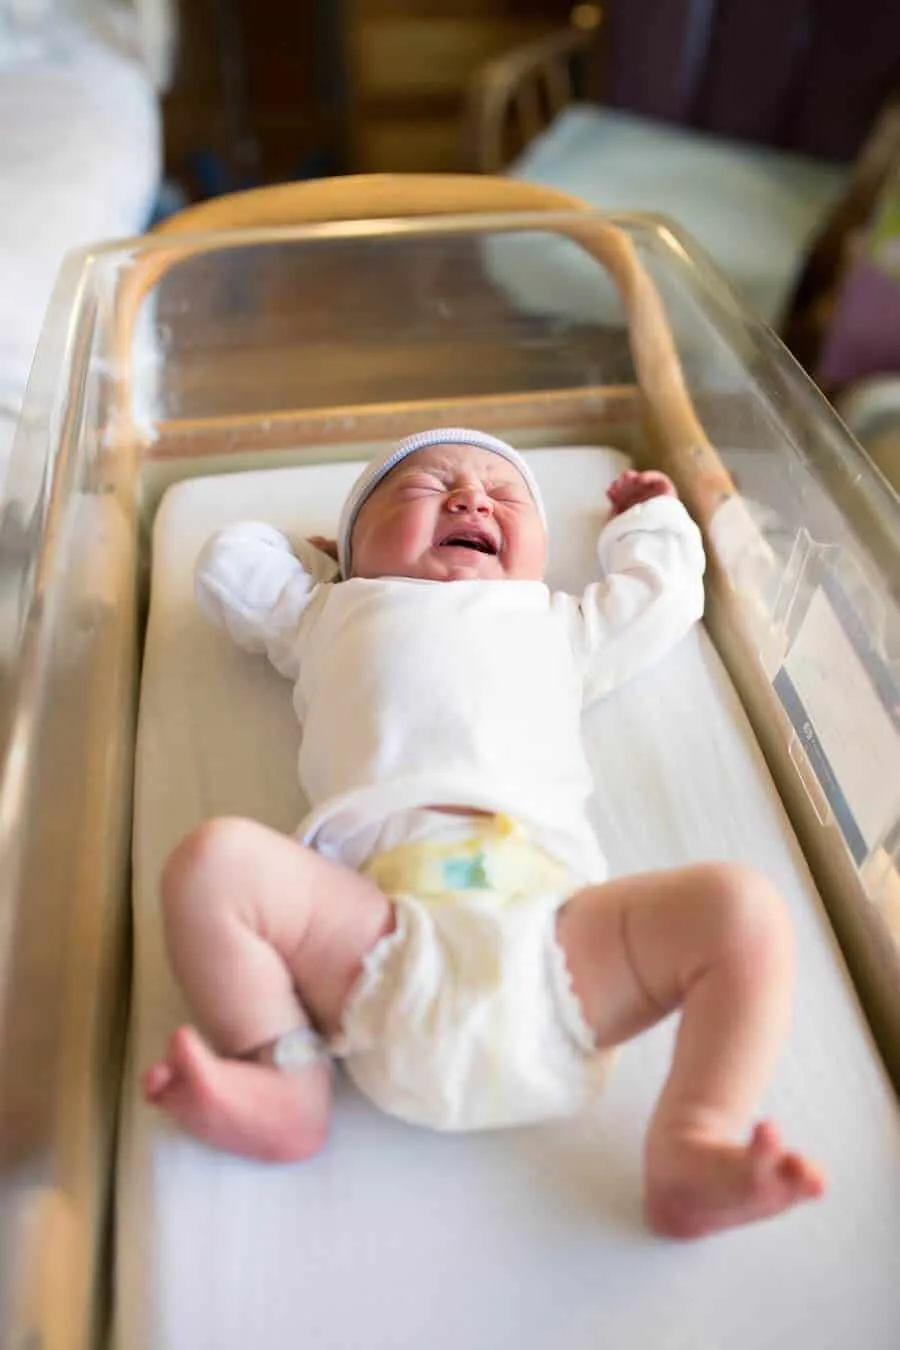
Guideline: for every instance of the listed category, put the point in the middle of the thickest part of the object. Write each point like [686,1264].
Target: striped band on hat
[376,471]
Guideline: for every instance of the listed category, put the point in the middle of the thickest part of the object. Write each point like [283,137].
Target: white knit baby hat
[379,468]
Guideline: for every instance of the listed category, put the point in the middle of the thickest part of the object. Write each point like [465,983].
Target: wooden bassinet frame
[656,420]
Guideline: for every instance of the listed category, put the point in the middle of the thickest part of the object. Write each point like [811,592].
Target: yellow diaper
[464,1016]
[498,859]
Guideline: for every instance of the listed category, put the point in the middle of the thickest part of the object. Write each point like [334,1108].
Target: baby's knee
[198,866]
[747,914]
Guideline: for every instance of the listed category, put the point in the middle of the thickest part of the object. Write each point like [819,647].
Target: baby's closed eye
[416,487]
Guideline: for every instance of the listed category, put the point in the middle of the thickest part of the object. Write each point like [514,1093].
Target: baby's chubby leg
[714,941]
[263,936]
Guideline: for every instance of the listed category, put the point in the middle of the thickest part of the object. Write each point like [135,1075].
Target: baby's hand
[633,487]
[328,546]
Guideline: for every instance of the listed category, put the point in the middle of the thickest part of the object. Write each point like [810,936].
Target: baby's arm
[652,555]
[250,581]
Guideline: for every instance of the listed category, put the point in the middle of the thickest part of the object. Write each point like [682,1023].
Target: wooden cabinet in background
[273,89]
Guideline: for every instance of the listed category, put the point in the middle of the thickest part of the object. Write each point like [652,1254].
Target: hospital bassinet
[330,320]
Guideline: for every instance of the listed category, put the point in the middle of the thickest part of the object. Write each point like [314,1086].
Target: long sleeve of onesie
[250,581]
[650,595]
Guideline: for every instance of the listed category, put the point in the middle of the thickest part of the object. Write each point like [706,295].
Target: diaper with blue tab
[464,1016]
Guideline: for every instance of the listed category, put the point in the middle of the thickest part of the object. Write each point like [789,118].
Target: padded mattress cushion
[533,1237]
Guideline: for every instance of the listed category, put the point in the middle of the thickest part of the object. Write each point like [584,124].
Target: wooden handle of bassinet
[682,446]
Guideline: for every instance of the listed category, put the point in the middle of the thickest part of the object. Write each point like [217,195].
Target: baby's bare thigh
[632,944]
[591,930]
[349,916]
[321,918]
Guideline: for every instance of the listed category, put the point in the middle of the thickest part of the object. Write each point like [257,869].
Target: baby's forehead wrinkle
[445,461]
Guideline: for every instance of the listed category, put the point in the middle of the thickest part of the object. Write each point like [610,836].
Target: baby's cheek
[389,547]
[413,531]
[529,554]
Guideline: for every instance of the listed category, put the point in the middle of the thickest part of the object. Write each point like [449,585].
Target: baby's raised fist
[635,486]
[328,546]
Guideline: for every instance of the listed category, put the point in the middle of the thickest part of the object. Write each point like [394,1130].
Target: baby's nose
[470,497]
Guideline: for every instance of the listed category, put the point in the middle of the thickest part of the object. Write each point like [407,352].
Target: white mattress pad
[530,1238]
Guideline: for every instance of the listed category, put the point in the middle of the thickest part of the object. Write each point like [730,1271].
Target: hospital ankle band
[294,1050]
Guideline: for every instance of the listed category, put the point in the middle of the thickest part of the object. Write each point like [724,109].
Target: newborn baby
[444,924]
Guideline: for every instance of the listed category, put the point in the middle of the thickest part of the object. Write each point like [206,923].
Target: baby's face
[451,513]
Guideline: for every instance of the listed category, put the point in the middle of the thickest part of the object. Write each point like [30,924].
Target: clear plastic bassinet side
[553,311]
[68,647]
[804,604]
[175,357]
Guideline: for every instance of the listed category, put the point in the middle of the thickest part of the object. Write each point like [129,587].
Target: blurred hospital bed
[80,152]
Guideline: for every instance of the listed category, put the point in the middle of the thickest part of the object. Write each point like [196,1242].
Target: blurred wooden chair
[765,127]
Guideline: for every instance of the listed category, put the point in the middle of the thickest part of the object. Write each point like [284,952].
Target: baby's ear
[327,546]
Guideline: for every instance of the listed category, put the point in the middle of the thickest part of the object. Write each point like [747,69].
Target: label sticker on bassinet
[844,704]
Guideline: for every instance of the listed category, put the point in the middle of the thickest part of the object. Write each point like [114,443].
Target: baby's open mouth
[476,540]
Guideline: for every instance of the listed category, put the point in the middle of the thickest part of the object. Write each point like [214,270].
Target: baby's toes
[765,1142]
[156,1080]
[189,1055]
[801,1177]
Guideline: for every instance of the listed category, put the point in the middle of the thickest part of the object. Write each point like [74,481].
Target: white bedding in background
[532,1238]
[80,160]
[755,210]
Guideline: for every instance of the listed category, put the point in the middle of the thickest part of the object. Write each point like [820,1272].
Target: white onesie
[415,694]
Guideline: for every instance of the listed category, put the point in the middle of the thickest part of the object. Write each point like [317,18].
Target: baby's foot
[250,1109]
[697,1185]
